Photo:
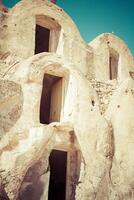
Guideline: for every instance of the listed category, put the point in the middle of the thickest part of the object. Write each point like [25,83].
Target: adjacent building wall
[101,48]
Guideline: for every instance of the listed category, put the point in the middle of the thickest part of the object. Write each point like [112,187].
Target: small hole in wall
[5,26]
[118,106]
[108,42]
[51,99]
[93,103]
[131,74]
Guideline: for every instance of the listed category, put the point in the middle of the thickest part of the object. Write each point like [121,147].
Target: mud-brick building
[66,109]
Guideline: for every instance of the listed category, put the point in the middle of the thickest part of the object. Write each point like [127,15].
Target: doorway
[51,99]
[58,168]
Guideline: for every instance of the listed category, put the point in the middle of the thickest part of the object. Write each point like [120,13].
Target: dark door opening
[113,66]
[58,168]
[42,35]
[51,99]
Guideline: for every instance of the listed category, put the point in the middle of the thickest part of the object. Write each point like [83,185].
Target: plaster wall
[96,116]
[20,29]
[101,47]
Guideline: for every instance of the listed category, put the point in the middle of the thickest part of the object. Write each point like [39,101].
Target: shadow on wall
[32,191]
[34,183]
[3,195]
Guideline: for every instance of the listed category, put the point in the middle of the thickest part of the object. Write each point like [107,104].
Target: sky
[94,17]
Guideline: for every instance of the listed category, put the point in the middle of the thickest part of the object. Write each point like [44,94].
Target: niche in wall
[113,64]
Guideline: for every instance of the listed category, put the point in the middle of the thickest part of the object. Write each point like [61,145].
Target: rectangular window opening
[47,34]
[42,36]
[51,99]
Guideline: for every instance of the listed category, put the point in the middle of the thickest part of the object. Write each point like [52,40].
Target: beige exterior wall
[96,118]
[21,30]
[101,48]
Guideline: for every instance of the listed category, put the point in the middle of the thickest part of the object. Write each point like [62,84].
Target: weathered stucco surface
[96,125]
[101,48]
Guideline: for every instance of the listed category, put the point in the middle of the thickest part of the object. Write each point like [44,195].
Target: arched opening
[51,99]
[47,33]
[113,64]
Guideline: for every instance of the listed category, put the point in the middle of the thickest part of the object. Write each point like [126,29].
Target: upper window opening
[42,39]
[47,33]
[113,64]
